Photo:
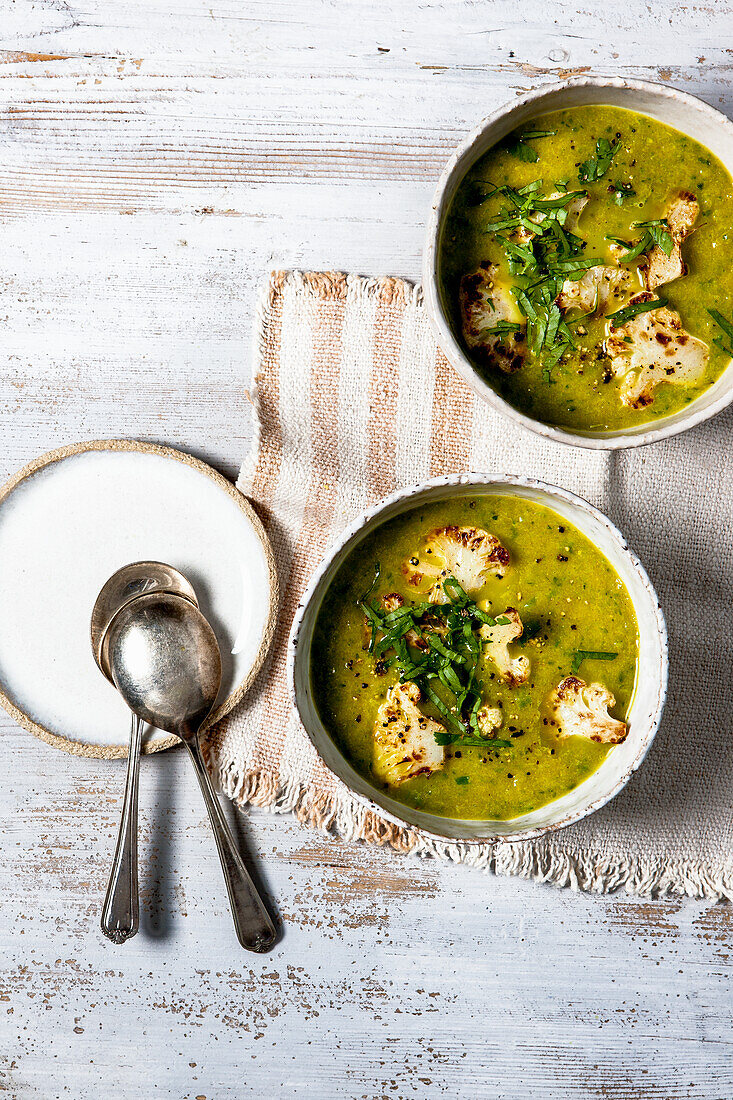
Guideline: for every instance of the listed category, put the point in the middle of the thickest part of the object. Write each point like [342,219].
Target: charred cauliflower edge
[404,738]
[513,670]
[653,347]
[581,710]
[466,553]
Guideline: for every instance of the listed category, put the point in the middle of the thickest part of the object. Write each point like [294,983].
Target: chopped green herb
[634,250]
[569,266]
[503,223]
[557,203]
[596,167]
[621,192]
[547,256]
[501,328]
[659,232]
[552,358]
[633,309]
[531,629]
[454,589]
[727,327]
[656,233]
[525,152]
[528,188]
[480,192]
[524,303]
[436,646]
[590,655]
[522,261]
[370,589]
[471,742]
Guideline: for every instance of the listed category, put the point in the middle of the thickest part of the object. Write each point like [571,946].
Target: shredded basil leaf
[590,655]
[501,328]
[370,589]
[596,167]
[519,148]
[524,152]
[633,309]
[727,327]
[558,203]
[437,647]
[442,738]
[659,232]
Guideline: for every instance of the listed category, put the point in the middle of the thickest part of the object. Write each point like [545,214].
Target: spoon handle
[253,925]
[120,918]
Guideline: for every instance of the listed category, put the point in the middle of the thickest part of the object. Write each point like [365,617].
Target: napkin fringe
[333,286]
[578,870]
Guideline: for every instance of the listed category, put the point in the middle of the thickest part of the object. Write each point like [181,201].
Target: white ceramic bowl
[677,109]
[649,693]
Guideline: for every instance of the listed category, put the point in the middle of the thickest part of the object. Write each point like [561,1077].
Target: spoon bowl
[164,660]
[140,578]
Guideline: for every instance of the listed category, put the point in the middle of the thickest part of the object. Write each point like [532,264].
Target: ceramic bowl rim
[484,481]
[431,291]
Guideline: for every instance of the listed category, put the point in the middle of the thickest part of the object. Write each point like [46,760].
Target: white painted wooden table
[156,157]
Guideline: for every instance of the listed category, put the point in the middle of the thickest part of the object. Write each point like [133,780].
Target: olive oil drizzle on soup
[578,385]
[569,598]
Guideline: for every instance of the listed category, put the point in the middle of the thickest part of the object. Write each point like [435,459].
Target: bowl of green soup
[480,657]
[578,268]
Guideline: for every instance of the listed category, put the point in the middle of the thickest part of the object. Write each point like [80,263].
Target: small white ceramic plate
[67,522]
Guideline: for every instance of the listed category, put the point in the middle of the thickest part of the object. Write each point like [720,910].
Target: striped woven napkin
[353,400]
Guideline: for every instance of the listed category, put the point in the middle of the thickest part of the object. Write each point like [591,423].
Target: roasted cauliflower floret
[404,738]
[600,287]
[489,720]
[469,554]
[484,305]
[514,670]
[651,348]
[581,710]
[658,268]
[573,210]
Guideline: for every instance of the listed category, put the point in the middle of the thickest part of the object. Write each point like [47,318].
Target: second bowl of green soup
[481,657]
[578,269]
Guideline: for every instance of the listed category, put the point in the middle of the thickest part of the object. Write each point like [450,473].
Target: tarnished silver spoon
[120,912]
[165,662]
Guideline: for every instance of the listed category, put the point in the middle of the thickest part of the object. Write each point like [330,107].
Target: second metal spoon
[120,912]
[165,662]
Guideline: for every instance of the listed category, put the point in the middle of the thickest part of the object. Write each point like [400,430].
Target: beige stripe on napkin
[353,400]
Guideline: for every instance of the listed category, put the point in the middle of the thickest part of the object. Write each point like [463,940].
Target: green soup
[630,167]
[569,598]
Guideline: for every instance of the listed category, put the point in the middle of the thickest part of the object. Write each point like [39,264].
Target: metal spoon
[165,662]
[120,912]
